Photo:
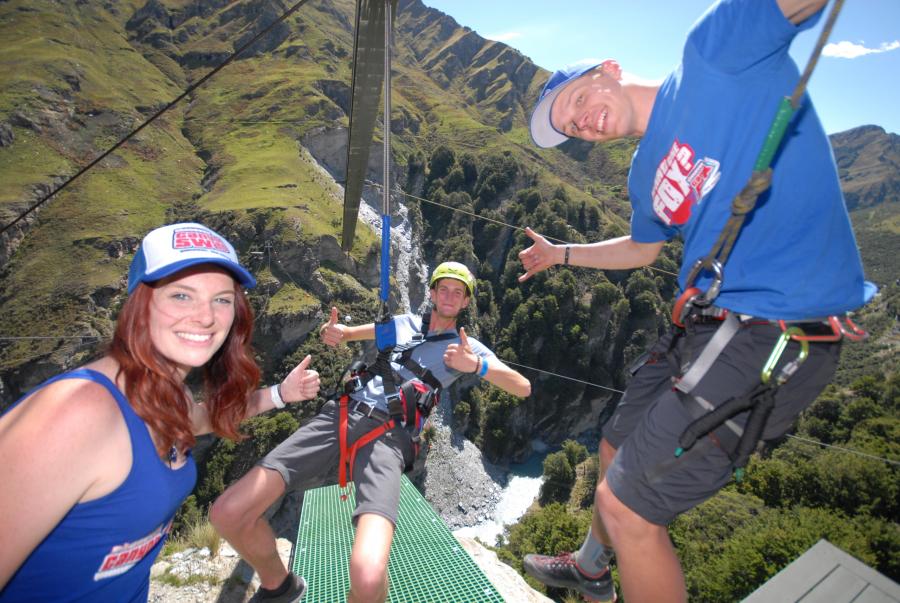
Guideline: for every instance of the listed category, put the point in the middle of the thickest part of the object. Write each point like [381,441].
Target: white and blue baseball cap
[168,249]
[543,133]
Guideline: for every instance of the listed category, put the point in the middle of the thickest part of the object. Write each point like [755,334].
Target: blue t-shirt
[429,355]
[102,549]
[796,256]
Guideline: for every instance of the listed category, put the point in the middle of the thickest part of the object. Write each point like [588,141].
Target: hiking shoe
[296,588]
[561,571]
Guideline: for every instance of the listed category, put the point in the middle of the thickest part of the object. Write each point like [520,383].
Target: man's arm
[460,356]
[333,332]
[613,254]
[506,378]
[798,11]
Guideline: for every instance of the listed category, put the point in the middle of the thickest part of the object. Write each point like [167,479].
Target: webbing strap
[386,163]
[348,453]
[390,379]
[372,19]
[711,351]
[698,406]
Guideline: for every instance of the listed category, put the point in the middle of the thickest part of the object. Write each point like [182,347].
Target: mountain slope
[868,160]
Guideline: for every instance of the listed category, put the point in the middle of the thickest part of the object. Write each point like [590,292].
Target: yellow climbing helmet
[456,271]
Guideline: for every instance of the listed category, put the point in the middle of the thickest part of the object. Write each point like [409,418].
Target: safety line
[11,338]
[581,381]
[612,389]
[153,118]
[850,450]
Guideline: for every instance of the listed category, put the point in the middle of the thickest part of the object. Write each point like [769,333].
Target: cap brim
[543,133]
[243,277]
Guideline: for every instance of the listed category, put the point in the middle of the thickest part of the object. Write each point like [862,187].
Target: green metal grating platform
[427,564]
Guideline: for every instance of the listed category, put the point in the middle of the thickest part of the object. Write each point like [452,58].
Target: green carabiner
[778,350]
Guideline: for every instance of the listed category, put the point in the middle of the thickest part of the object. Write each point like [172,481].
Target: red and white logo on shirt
[123,557]
[681,182]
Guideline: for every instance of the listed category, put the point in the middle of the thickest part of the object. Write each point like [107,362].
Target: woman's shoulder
[73,406]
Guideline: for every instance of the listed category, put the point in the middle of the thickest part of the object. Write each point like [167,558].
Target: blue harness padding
[385,335]
[385,329]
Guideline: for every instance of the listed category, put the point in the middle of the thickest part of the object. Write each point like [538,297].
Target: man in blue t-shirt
[795,260]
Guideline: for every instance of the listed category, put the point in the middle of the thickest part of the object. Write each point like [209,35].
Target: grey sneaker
[562,572]
[294,592]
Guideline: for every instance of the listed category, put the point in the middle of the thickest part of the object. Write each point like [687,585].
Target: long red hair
[155,390]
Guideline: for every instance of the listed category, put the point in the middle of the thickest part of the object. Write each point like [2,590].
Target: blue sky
[857,82]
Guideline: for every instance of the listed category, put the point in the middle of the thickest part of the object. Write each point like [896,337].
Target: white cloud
[852,50]
[505,36]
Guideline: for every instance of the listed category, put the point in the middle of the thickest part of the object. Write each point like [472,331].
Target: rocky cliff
[868,160]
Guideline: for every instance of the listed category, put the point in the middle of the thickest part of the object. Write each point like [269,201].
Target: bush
[559,476]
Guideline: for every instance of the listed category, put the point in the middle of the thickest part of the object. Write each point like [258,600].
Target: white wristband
[275,394]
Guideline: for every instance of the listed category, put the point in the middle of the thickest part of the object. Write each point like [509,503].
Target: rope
[559,376]
[156,115]
[12,338]
[816,53]
[588,383]
[850,450]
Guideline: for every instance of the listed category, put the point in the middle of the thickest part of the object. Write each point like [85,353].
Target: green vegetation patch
[45,42]
[290,300]
[27,162]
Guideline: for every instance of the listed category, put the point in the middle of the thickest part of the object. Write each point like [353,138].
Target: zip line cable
[153,118]
[537,370]
[546,372]
[498,222]
[842,449]
[14,338]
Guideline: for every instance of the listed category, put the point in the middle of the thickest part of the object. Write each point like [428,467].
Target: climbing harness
[717,422]
[409,404]
[737,442]
[695,305]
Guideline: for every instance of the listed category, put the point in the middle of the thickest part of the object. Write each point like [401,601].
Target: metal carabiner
[791,367]
[707,297]
[693,296]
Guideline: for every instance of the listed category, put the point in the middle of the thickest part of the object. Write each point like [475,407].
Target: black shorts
[309,457]
[645,474]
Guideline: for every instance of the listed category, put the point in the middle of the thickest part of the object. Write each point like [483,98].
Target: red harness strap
[348,453]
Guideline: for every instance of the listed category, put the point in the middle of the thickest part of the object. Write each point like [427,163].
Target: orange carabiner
[683,305]
[838,331]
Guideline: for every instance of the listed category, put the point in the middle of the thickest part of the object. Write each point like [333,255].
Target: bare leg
[648,566]
[369,559]
[607,454]
[238,515]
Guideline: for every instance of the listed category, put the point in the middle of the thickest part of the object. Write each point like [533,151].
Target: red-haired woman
[95,462]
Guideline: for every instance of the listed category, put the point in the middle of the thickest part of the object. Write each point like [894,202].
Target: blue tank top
[102,549]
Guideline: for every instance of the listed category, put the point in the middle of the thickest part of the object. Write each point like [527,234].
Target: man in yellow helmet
[371,433]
